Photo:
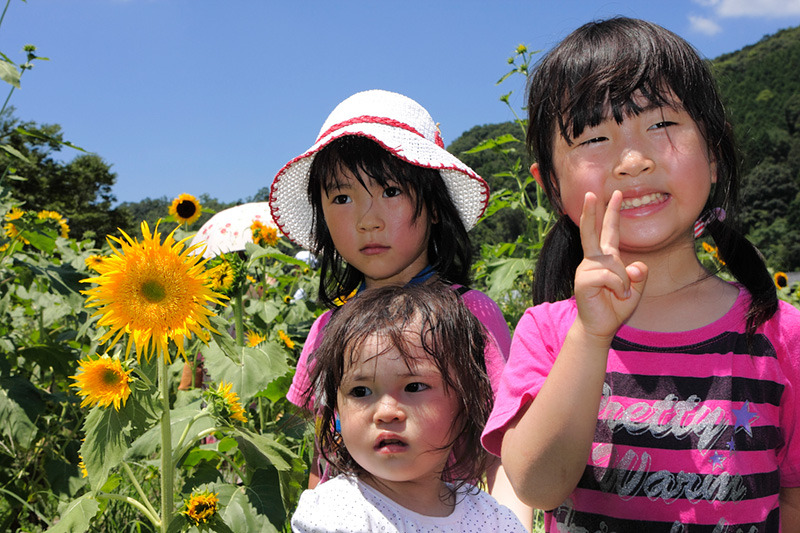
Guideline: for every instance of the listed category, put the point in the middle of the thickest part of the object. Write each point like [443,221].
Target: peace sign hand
[607,292]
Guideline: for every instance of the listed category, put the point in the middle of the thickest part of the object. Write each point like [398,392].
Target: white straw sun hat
[402,127]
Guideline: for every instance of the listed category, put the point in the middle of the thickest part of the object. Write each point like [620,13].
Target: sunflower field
[142,386]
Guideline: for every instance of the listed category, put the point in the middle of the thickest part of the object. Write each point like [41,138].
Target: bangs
[616,72]
[362,157]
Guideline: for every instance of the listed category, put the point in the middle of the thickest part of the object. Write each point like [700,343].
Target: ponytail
[746,264]
[561,253]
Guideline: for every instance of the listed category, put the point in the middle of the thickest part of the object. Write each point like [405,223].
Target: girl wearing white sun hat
[381,202]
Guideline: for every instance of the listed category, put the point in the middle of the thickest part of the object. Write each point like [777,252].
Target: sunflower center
[186,209]
[110,377]
[153,291]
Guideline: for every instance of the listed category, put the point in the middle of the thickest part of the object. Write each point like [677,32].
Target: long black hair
[614,63]
[431,316]
[449,247]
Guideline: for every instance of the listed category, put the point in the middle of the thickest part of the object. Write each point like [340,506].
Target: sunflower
[225,404]
[13,233]
[222,277]
[286,339]
[53,215]
[254,338]
[153,291]
[201,506]
[103,381]
[15,214]
[264,234]
[95,262]
[185,208]
[82,467]
[781,279]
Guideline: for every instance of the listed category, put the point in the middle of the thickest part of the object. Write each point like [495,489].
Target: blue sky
[206,96]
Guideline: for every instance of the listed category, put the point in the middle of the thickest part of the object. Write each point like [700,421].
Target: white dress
[344,504]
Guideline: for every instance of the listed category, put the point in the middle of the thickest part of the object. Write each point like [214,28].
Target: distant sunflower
[254,338]
[225,403]
[185,208]
[201,506]
[264,234]
[82,467]
[222,277]
[95,262]
[286,339]
[781,279]
[153,291]
[15,214]
[53,215]
[13,233]
[103,381]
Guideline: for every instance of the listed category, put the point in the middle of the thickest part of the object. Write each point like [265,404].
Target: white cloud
[704,25]
[754,8]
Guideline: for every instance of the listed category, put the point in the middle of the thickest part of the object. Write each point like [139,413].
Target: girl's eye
[662,124]
[360,392]
[416,387]
[391,192]
[340,199]
[594,140]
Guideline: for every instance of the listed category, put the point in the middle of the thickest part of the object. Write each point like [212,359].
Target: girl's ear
[434,216]
[538,176]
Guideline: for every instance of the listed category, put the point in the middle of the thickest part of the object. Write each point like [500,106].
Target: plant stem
[237,317]
[138,487]
[136,503]
[167,474]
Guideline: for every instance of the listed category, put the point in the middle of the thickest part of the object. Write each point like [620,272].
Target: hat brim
[292,210]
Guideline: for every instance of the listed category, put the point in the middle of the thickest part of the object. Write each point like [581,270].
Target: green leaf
[20,405]
[77,516]
[105,444]
[254,370]
[10,150]
[9,73]
[504,273]
[238,513]
[262,451]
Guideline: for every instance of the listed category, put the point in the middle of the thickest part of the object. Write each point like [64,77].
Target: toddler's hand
[607,292]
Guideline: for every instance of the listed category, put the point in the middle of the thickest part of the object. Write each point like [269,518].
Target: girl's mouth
[643,201]
[372,249]
[391,445]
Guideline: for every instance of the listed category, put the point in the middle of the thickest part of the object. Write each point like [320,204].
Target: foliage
[760,86]
[150,210]
[504,269]
[80,189]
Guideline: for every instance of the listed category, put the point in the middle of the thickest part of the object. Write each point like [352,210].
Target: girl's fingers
[590,238]
[609,237]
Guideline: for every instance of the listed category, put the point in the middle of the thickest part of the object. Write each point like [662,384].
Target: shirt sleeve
[499,343]
[788,319]
[301,380]
[537,340]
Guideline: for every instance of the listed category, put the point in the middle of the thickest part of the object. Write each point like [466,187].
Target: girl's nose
[632,163]
[371,218]
[389,410]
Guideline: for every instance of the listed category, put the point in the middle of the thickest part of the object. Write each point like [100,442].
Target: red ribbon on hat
[370,119]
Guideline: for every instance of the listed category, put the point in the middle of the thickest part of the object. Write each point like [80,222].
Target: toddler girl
[398,383]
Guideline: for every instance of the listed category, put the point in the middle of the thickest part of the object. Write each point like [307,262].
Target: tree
[79,190]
